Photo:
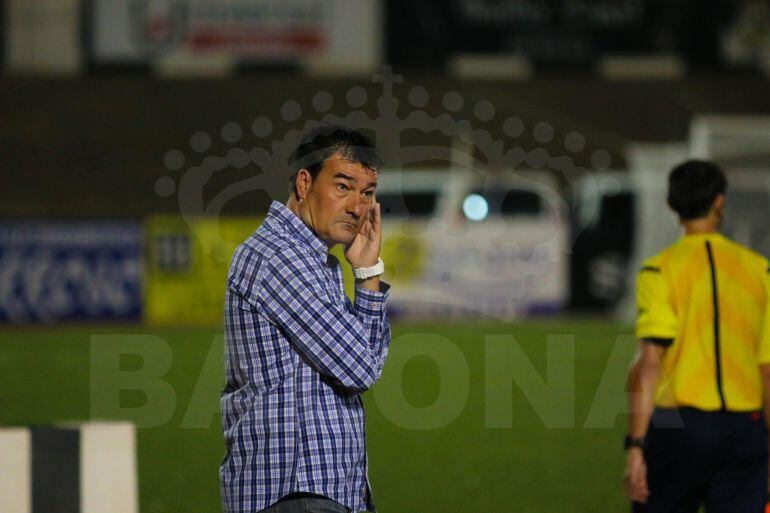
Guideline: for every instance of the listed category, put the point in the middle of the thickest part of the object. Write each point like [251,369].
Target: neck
[700,226]
[293,205]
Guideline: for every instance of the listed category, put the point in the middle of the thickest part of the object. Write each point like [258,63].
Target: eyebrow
[350,178]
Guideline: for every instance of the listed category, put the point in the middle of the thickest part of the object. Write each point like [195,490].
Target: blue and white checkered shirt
[298,354]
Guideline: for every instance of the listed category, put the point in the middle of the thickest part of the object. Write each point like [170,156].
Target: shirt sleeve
[656,320]
[764,344]
[370,309]
[347,346]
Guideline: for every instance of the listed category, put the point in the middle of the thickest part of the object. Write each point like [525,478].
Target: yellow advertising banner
[186,267]
[186,264]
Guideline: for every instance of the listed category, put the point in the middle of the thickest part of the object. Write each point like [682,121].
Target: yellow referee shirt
[706,298]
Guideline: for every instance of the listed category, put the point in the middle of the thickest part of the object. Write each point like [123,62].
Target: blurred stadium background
[527,144]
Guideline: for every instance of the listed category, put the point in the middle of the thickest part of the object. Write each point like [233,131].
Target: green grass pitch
[448,429]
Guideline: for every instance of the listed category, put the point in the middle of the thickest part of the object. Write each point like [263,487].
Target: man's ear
[719,204]
[303,184]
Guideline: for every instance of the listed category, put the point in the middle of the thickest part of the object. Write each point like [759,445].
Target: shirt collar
[703,236]
[279,216]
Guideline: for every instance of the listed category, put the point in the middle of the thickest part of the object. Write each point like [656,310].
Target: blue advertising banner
[53,271]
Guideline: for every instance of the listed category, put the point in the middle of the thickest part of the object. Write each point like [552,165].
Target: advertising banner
[502,270]
[561,33]
[186,267]
[142,31]
[70,271]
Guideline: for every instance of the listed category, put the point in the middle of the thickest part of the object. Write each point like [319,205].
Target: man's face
[338,200]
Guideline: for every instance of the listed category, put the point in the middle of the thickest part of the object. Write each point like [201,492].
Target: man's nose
[356,206]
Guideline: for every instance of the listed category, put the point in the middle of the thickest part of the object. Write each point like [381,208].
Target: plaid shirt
[298,354]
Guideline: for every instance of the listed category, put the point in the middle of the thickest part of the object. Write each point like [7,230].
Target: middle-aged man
[298,352]
[701,378]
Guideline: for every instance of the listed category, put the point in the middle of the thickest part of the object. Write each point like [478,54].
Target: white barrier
[78,468]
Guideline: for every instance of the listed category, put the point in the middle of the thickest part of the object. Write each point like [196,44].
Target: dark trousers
[715,459]
[306,503]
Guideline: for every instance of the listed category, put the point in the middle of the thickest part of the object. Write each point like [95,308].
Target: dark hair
[326,140]
[693,186]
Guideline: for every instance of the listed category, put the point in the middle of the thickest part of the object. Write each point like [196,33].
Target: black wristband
[630,442]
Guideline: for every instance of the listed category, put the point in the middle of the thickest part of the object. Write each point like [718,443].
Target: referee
[700,381]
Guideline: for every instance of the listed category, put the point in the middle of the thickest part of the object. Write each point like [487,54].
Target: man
[701,377]
[298,352]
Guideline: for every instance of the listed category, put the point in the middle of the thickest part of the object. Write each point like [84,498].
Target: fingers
[376,216]
[641,491]
[637,491]
[637,488]
[366,229]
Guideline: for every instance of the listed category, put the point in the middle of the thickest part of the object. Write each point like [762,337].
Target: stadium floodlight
[475,207]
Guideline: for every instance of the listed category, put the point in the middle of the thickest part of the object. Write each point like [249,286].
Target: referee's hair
[327,139]
[693,186]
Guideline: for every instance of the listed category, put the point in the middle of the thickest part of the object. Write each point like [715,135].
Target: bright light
[475,207]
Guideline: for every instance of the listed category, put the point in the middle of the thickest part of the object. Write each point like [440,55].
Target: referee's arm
[656,327]
[642,381]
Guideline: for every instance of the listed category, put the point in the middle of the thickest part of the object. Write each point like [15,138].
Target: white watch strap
[363,273]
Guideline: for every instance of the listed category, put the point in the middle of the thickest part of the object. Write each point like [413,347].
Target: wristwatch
[363,273]
[631,441]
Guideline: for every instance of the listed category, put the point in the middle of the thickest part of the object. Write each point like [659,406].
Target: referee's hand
[636,476]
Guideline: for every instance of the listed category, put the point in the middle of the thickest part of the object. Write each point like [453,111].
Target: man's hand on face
[364,249]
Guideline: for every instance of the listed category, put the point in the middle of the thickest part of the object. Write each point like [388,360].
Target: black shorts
[715,459]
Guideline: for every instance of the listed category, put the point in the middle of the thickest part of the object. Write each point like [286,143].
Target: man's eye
[342,187]
[369,194]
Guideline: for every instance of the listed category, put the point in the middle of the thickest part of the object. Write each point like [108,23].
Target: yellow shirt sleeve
[655,316]
[764,343]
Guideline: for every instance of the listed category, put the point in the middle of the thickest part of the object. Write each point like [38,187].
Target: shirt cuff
[370,302]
